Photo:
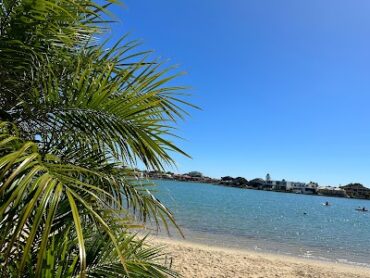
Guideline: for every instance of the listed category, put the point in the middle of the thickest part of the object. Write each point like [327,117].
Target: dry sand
[197,260]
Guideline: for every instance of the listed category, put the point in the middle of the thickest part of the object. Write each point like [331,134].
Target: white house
[296,187]
[292,186]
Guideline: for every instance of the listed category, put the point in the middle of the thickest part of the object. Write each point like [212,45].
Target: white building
[292,186]
[301,187]
[296,187]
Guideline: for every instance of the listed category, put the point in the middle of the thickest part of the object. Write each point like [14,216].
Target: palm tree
[76,116]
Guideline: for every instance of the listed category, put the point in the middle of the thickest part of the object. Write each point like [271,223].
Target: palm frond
[75,116]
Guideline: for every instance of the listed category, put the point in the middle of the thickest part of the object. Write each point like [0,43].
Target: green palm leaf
[76,116]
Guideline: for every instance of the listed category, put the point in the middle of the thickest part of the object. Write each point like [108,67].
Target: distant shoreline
[219,183]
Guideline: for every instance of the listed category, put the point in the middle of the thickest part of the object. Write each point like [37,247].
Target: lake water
[290,224]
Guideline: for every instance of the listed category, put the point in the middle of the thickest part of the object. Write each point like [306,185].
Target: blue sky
[284,86]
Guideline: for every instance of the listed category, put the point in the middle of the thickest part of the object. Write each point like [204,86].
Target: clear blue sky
[284,85]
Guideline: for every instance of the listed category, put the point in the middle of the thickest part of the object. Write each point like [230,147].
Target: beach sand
[198,260]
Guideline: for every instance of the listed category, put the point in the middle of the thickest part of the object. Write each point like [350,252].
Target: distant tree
[240,181]
[355,184]
[314,183]
[227,178]
[256,182]
[195,174]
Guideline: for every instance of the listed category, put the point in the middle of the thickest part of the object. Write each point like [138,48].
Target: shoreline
[256,189]
[193,259]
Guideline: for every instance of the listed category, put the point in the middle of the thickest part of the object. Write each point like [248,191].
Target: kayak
[364,210]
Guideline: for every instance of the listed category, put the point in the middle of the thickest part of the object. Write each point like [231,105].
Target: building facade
[331,191]
[356,190]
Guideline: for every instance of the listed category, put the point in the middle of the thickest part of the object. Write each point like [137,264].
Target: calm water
[270,221]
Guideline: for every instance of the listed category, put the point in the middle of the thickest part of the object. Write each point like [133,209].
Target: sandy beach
[198,260]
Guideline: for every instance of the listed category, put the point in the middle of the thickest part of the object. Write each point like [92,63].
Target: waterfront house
[195,174]
[237,182]
[240,182]
[295,187]
[331,191]
[227,180]
[279,185]
[311,188]
[301,187]
[256,183]
[356,190]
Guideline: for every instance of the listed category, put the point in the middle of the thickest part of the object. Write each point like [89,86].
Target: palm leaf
[75,116]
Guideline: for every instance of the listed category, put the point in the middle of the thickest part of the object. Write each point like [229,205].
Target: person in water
[362,209]
[326,203]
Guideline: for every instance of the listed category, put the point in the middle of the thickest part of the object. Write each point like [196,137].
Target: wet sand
[200,260]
